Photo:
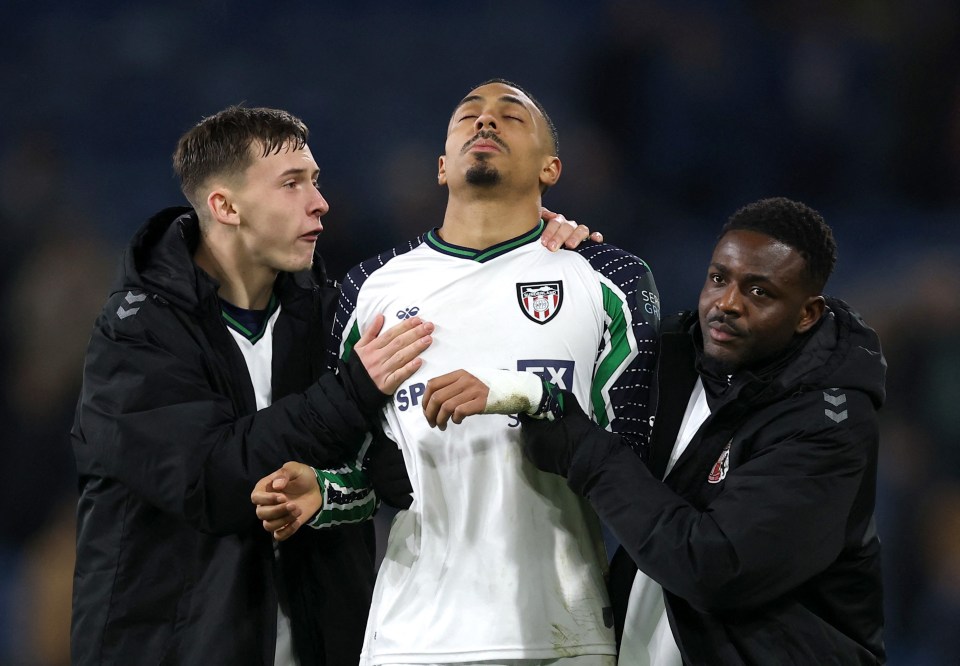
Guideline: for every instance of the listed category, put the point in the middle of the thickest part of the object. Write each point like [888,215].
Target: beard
[482,174]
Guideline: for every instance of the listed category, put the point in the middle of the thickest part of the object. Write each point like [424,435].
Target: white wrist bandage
[511,391]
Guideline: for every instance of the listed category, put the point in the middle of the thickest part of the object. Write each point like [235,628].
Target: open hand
[390,359]
[561,231]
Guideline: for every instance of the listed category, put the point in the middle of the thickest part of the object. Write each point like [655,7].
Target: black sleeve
[780,518]
[150,417]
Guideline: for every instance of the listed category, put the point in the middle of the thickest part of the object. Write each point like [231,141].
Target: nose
[319,207]
[729,300]
[485,120]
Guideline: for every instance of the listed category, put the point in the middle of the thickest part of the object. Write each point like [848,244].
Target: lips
[311,236]
[721,332]
[484,145]
[485,142]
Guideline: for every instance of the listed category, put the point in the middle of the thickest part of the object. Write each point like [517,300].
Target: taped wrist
[511,391]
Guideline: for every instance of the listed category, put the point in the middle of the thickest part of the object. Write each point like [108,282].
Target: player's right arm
[155,414]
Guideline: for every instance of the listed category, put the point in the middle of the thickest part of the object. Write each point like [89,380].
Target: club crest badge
[540,301]
[719,471]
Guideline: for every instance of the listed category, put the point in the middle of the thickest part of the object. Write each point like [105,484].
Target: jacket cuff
[360,388]
[595,447]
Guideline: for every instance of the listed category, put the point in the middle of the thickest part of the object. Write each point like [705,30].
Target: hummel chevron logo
[836,401]
[834,416]
[130,298]
[123,314]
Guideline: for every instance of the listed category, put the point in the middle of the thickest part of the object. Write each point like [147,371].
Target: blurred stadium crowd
[671,114]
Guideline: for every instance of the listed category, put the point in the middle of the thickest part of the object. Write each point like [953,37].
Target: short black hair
[554,135]
[795,224]
[221,144]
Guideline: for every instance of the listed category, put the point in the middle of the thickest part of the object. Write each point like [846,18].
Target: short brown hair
[221,144]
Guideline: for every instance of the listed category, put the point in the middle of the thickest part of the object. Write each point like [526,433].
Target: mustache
[725,321]
[487,135]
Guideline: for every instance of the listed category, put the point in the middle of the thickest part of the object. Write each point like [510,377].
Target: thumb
[281,477]
[372,331]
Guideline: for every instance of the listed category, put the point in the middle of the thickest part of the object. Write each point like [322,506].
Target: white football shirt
[496,559]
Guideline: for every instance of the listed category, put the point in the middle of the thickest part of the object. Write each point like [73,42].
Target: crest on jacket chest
[719,470]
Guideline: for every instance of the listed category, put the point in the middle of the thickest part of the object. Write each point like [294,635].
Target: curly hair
[795,224]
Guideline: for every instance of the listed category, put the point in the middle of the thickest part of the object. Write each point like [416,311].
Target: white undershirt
[647,639]
[259,358]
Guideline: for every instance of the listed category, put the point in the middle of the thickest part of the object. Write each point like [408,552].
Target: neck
[479,223]
[241,284]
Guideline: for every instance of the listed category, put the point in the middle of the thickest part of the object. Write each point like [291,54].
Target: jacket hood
[842,353]
[159,259]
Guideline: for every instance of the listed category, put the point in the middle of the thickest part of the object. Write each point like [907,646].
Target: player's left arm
[623,374]
[621,395]
[621,392]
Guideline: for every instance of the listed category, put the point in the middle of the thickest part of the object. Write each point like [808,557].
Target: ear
[441,171]
[550,173]
[221,206]
[810,313]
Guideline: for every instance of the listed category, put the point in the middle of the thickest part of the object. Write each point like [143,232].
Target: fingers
[265,492]
[281,520]
[395,332]
[392,357]
[596,237]
[286,531]
[580,234]
[278,515]
[432,405]
[557,231]
[453,396]
[402,374]
[372,331]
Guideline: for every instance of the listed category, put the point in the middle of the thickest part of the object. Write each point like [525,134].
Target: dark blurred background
[672,114]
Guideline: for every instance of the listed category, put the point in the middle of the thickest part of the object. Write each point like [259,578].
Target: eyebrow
[296,171]
[510,99]
[749,277]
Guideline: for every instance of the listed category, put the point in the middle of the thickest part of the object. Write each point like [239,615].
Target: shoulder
[614,263]
[134,314]
[834,418]
[129,309]
[360,273]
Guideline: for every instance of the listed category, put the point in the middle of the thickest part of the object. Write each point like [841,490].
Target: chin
[298,265]
[725,362]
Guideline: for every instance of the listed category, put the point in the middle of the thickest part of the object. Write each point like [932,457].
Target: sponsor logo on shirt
[551,370]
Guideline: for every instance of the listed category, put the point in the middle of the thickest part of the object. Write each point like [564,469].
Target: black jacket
[173,566]
[762,535]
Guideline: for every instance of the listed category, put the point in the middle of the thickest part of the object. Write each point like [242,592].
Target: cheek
[776,331]
[704,305]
